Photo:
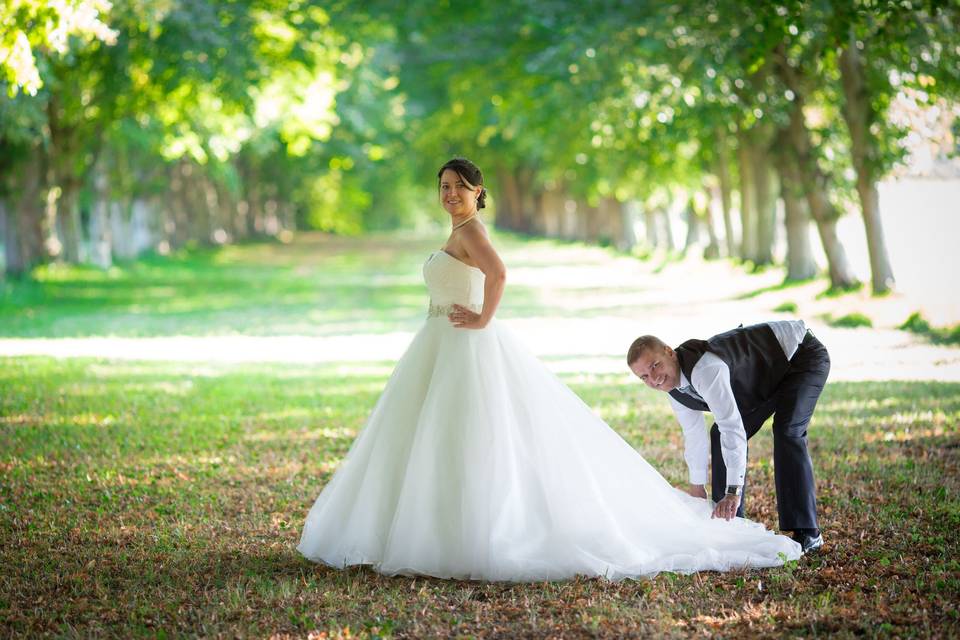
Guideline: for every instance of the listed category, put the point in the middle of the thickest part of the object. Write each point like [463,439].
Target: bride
[478,463]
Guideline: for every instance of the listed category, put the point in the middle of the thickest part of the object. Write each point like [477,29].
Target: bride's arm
[474,240]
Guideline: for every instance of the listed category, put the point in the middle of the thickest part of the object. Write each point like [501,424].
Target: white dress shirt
[710,379]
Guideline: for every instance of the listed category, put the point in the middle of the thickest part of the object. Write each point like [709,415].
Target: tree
[881,45]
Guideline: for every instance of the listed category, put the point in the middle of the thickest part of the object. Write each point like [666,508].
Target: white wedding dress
[478,463]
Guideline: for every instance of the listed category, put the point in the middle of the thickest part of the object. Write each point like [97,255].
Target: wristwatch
[734,490]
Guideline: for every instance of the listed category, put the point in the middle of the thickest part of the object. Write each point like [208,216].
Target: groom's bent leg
[797,398]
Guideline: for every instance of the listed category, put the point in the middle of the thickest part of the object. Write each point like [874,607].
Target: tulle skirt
[478,463]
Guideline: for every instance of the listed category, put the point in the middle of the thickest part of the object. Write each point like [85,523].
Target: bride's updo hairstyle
[469,173]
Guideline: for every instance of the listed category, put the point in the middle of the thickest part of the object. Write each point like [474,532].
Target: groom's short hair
[642,345]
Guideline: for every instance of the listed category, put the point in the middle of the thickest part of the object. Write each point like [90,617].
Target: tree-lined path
[328,299]
[157,482]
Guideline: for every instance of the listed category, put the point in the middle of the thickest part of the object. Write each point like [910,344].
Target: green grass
[309,288]
[839,292]
[786,307]
[320,285]
[166,499]
[916,323]
[850,321]
[140,497]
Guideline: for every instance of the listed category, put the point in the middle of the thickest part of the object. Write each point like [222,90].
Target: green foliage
[37,28]
[786,307]
[342,115]
[916,323]
[850,321]
[839,292]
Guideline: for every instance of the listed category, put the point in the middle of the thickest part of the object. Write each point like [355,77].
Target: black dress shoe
[810,541]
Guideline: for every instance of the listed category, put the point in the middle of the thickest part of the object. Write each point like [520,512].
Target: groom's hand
[727,507]
[697,491]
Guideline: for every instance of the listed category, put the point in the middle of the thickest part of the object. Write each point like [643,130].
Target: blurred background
[817,139]
[213,217]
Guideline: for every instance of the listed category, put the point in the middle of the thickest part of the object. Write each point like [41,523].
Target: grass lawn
[166,498]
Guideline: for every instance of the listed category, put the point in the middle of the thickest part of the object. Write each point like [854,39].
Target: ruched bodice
[451,281]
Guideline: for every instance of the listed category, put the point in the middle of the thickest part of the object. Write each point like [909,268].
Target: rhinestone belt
[437,310]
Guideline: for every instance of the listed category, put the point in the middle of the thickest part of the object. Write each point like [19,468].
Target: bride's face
[658,369]
[457,196]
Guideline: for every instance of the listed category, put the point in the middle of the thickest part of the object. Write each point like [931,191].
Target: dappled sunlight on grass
[292,437]
[323,299]
[906,435]
[178,472]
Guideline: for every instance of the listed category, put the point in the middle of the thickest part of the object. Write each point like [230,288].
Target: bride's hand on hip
[463,318]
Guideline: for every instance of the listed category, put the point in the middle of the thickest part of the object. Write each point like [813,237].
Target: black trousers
[791,407]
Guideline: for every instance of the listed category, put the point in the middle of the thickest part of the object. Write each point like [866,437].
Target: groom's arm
[696,443]
[711,378]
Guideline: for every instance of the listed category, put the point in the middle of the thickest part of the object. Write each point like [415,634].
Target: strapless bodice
[451,281]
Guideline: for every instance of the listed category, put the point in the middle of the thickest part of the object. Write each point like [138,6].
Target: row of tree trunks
[524,207]
[39,222]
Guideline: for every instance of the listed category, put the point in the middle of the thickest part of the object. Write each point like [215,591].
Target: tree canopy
[214,121]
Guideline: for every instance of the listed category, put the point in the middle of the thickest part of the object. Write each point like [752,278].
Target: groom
[742,377]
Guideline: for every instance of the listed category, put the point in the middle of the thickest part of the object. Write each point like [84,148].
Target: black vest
[756,360]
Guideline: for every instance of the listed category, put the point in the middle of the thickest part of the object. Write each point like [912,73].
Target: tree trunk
[712,250]
[68,168]
[814,183]
[7,236]
[552,203]
[25,211]
[69,225]
[822,210]
[748,215]
[766,207]
[254,200]
[693,225]
[858,113]
[570,228]
[650,226]
[507,203]
[608,210]
[582,232]
[628,234]
[101,232]
[526,178]
[800,264]
[178,223]
[723,175]
[667,233]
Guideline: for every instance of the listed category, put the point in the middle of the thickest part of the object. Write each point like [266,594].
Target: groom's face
[658,369]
